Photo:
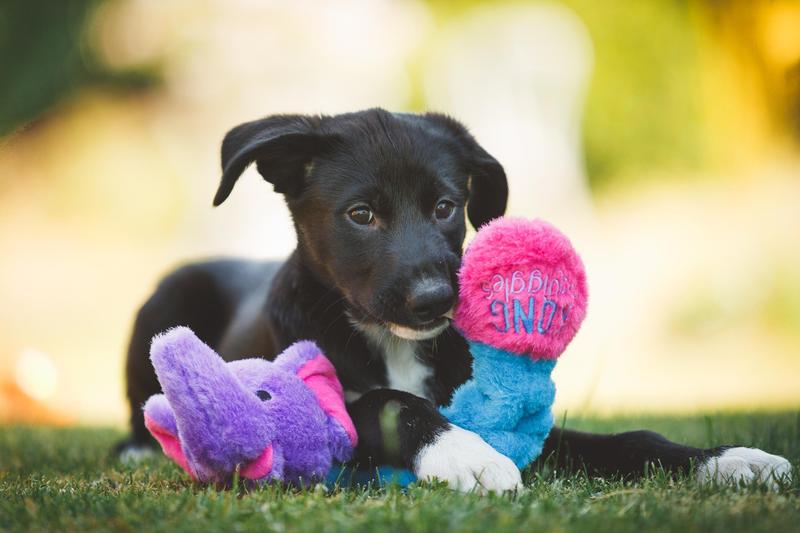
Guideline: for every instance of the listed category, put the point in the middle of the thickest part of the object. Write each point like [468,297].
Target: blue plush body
[508,402]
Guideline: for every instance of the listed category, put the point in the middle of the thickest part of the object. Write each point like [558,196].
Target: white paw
[467,463]
[747,465]
[132,455]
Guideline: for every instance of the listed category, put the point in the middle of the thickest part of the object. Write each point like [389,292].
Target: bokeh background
[663,136]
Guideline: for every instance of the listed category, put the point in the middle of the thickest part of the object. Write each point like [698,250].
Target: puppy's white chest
[403,370]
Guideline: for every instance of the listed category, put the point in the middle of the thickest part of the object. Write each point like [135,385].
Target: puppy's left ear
[282,146]
[488,190]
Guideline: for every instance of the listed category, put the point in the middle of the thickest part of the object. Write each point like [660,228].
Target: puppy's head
[378,201]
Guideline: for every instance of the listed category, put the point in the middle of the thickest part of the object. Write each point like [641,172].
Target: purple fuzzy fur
[220,422]
[158,408]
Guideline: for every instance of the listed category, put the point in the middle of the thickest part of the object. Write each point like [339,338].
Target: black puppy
[378,201]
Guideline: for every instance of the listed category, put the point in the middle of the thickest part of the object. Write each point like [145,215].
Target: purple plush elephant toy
[273,421]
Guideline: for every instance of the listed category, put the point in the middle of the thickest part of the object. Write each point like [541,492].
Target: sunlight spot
[36,374]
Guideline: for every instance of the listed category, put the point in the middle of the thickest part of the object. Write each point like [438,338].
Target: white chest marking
[403,370]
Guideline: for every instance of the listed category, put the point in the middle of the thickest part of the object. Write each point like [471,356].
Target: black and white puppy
[379,202]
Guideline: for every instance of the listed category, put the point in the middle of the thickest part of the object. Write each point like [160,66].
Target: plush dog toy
[283,420]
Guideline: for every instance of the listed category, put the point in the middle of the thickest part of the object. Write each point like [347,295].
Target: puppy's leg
[403,430]
[187,297]
[629,454]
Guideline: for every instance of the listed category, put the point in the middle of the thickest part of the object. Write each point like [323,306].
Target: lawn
[65,479]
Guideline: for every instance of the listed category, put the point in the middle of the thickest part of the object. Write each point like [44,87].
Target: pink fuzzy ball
[522,288]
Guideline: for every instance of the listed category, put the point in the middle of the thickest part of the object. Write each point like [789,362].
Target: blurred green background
[662,135]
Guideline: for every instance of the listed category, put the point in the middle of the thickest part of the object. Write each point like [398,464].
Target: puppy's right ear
[282,146]
[488,193]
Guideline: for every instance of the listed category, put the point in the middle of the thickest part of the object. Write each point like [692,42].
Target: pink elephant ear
[306,360]
[160,421]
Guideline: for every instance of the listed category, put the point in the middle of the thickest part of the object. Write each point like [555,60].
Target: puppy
[379,202]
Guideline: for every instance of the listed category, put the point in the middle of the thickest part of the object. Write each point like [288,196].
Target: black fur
[627,454]
[343,273]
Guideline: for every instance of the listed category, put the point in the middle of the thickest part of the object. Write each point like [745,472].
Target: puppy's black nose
[430,299]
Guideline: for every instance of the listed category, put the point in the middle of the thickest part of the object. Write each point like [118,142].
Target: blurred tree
[643,110]
[45,56]
[754,47]
[682,84]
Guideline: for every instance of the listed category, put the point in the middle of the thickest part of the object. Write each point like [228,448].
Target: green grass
[64,479]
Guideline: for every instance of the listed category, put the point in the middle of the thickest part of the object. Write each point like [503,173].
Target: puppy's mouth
[417,332]
[421,332]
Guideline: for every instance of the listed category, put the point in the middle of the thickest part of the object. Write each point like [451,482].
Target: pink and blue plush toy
[522,298]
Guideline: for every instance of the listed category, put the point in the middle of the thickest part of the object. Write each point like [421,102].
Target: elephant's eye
[263,395]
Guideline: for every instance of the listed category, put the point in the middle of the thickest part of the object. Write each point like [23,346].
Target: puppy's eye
[361,215]
[444,209]
[263,395]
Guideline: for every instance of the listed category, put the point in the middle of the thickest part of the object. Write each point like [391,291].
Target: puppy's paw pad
[467,463]
[740,464]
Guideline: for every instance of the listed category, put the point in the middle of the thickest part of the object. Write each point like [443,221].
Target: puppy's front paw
[466,462]
[735,465]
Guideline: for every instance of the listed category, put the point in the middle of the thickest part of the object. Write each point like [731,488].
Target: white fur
[467,463]
[404,371]
[747,465]
[133,455]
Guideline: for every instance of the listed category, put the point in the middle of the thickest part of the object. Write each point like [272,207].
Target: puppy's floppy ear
[282,146]
[488,192]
